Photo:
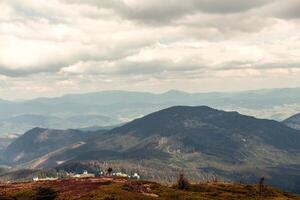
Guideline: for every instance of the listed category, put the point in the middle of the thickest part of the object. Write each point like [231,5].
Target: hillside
[38,142]
[116,188]
[203,141]
[293,121]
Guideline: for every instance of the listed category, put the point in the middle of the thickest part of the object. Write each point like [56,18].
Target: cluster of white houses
[86,174]
[121,174]
[45,179]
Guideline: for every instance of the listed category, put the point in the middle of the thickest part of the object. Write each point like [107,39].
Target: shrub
[109,171]
[183,183]
[262,186]
[22,195]
[46,193]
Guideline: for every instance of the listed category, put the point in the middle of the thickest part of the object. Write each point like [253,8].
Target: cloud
[114,44]
[289,9]
[158,12]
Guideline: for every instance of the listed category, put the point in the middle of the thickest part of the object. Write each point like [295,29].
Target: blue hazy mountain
[123,106]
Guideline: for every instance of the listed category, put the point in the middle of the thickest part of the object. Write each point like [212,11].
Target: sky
[54,47]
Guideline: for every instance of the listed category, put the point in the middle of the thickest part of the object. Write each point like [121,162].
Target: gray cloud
[154,67]
[242,65]
[4,70]
[289,9]
[158,12]
[135,44]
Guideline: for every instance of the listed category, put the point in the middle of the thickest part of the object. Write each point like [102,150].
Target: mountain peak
[189,108]
[35,130]
[186,111]
[201,121]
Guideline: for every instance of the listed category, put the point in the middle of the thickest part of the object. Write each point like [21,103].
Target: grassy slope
[109,188]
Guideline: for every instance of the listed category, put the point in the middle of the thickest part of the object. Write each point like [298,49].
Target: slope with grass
[116,188]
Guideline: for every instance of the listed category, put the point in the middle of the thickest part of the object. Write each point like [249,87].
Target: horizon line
[147,92]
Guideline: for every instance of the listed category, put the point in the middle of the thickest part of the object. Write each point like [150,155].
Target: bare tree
[262,186]
[183,183]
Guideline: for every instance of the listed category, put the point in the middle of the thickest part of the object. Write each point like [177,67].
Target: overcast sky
[53,47]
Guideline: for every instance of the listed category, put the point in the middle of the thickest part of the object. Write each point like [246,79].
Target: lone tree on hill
[262,186]
[109,171]
[183,183]
[46,193]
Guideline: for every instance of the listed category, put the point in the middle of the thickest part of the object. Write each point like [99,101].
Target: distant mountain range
[113,107]
[199,140]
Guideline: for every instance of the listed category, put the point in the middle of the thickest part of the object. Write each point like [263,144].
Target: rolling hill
[200,140]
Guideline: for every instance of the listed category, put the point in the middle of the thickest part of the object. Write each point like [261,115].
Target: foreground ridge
[121,188]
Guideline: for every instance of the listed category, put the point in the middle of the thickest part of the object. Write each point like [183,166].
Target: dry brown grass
[120,188]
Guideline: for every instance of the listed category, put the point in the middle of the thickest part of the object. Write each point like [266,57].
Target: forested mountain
[201,140]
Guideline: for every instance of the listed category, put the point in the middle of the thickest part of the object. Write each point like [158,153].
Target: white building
[84,175]
[45,179]
[121,174]
[136,176]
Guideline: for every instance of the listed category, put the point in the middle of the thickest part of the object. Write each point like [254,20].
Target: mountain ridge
[201,139]
[123,106]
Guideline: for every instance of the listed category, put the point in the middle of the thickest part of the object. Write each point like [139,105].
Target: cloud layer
[196,45]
